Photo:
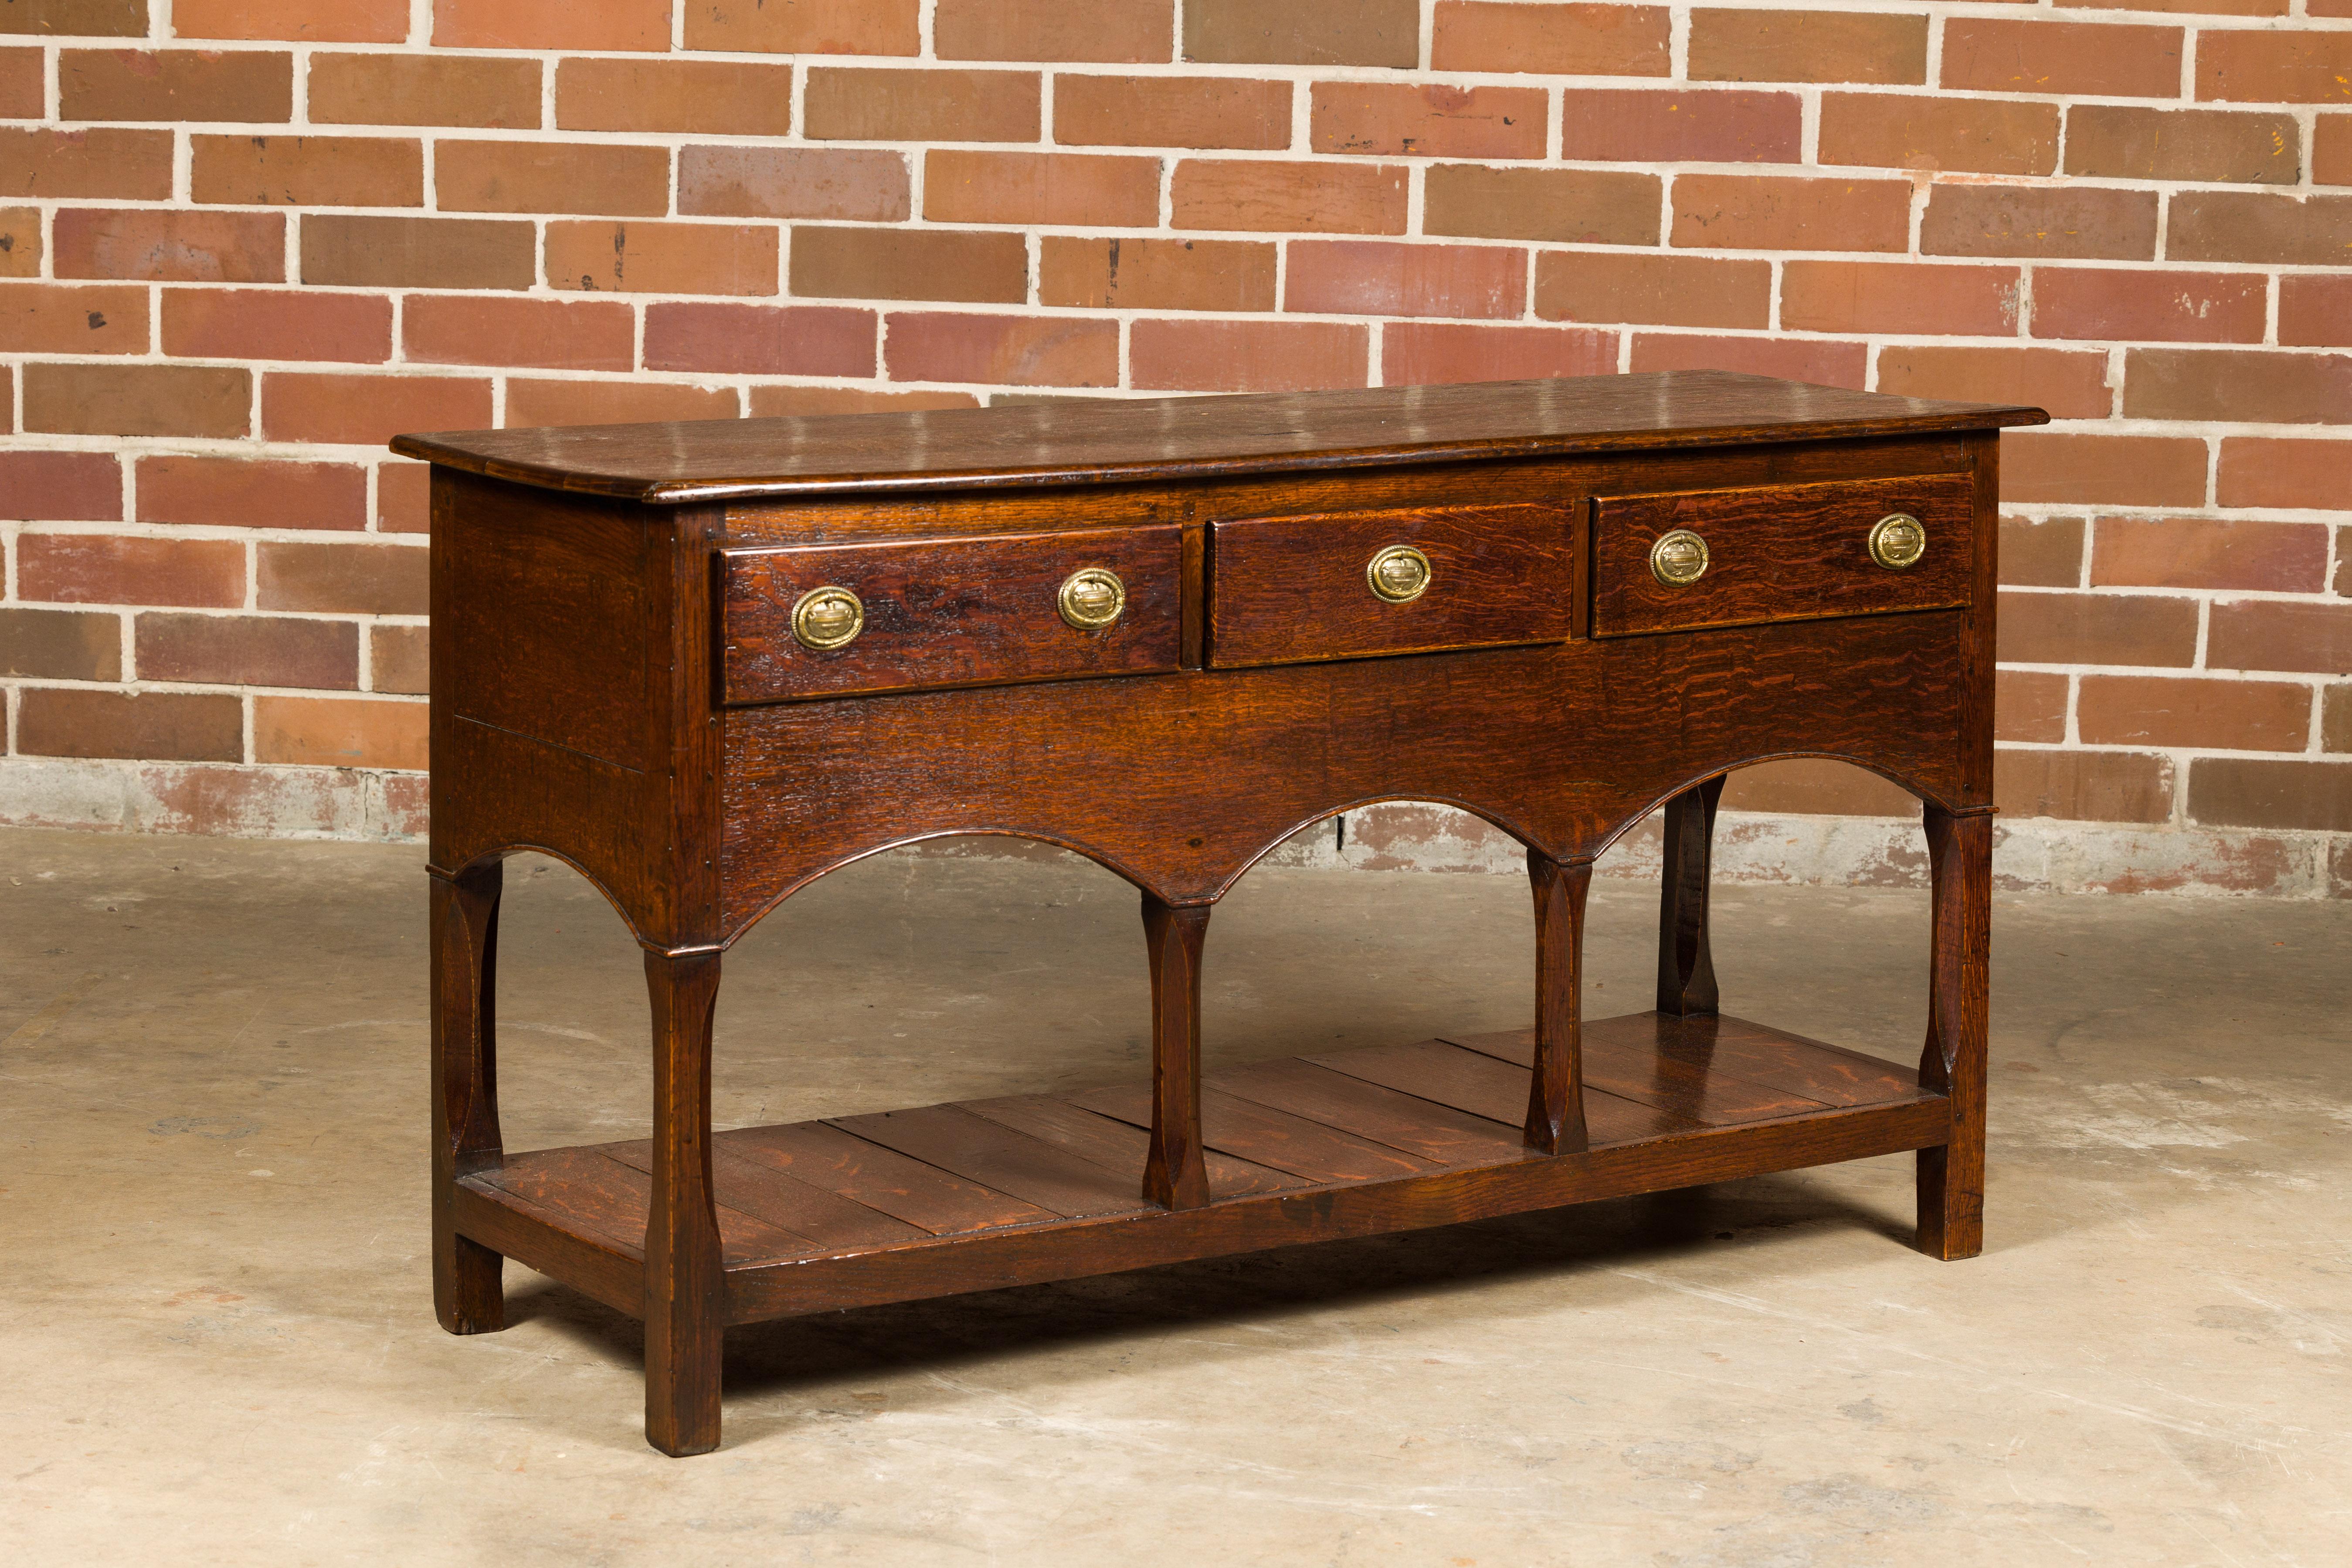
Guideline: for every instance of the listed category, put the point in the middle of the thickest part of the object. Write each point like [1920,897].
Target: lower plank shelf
[905,1204]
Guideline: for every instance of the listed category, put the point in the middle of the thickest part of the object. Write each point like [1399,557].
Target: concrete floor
[219,1348]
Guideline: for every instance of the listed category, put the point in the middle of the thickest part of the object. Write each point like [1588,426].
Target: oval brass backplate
[827,618]
[1398,573]
[1679,558]
[1898,541]
[1091,598]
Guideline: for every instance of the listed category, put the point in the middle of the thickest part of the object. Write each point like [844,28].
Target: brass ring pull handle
[1679,558]
[1399,574]
[1898,541]
[827,618]
[1091,598]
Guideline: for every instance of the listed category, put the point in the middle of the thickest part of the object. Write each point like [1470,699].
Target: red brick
[843,104]
[1577,206]
[1973,135]
[175,84]
[84,18]
[2306,66]
[552,177]
[1996,54]
[1396,119]
[2081,221]
[59,645]
[368,410]
[1904,297]
[247,492]
[1153,274]
[2197,552]
[351,579]
[2193,7]
[2276,634]
[2315,311]
[536,402]
[1013,351]
[840,182]
[1633,126]
[2061,466]
[2146,630]
[60,487]
[100,162]
[2243,792]
[711,97]
[806,27]
[308,171]
[153,726]
[1745,45]
[169,246]
[2028,705]
[1665,290]
[2331,150]
[340,732]
[2044,554]
[1742,212]
[601,24]
[2283,474]
[20,242]
[1425,354]
[403,498]
[759,340]
[663,257]
[2337,722]
[549,334]
[1170,111]
[2125,141]
[295,21]
[137,400]
[44,318]
[23,87]
[2081,786]
[420,252]
[276,324]
[1557,40]
[2242,225]
[480,92]
[911,264]
[1281,196]
[2139,306]
[1795,359]
[1246,356]
[1061,188]
[400,659]
[1376,278]
[1303,32]
[1054,30]
[2266,386]
[249,650]
[111,569]
[770,402]
[2070,385]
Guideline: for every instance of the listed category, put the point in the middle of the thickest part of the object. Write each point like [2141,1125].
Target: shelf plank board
[829,1220]
[1118,1147]
[1417,1126]
[1487,1086]
[1269,1137]
[1722,1053]
[924,1196]
[999,1157]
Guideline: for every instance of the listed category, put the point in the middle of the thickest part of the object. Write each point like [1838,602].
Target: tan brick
[1820,363]
[2124,142]
[2242,225]
[2331,150]
[1282,196]
[249,651]
[472,90]
[2057,222]
[1662,127]
[2081,786]
[368,410]
[911,264]
[1574,206]
[175,84]
[552,177]
[1061,188]
[2199,553]
[1391,120]
[1381,277]
[153,726]
[2315,311]
[2000,53]
[2044,554]
[1426,353]
[1741,212]
[1170,111]
[2068,384]
[2140,306]
[772,401]
[169,246]
[1970,135]
[1808,787]
[419,252]
[20,242]
[2305,66]
[1745,45]
[664,257]
[1054,30]
[1665,290]
[2066,467]
[403,498]
[400,659]
[102,162]
[848,104]
[841,183]
[24,85]
[1303,32]
[708,97]
[1137,273]
[137,400]
[295,21]
[1246,356]
[1905,296]
[600,25]
[109,569]
[54,319]
[2279,634]
[759,340]
[340,733]
[2244,791]
[2028,705]
[2148,631]
[1563,40]
[2286,474]
[1011,351]
[76,18]
[536,402]
[2271,387]
[805,27]
[60,487]
[351,578]
[59,645]
[247,492]
[551,335]
[307,171]
[276,324]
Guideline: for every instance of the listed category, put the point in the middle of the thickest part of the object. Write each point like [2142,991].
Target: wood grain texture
[467,1296]
[685,1291]
[1951,1177]
[1120,1147]
[1174,1177]
[1686,959]
[1555,1119]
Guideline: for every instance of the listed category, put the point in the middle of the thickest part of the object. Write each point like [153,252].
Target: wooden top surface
[1113,440]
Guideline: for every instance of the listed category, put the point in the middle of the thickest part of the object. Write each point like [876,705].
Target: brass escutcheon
[1091,598]
[1898,541]
[827,618]
[1398,573]
[1678,559]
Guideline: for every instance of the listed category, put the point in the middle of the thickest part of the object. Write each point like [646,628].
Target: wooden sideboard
[708,663]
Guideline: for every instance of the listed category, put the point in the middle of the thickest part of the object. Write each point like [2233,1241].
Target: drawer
[1780,552]
[948,612]
[1287,590]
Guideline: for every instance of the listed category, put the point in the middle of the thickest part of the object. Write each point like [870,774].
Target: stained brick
[351,579]
[175,84]
[663,257]
[1378,278]
[20,242]
[1561,40]
[308,171]
[2244,791]
[1973,135]
[2066,467]
[2242,225]
[137,400]
[368,410]
[1577,206]
[806,27]
[1386,120]
[552,177]
[76,18]
[60,487]
[249,651]
[845,104]
[1658,127]
[1137,273]
[157,726]
[1745,45]
[606,25]
[2098,628]
[112,569]
[2315,311]
[1740,212]
[103,161]
[911,264]
[400,659]
[63,319]
[2081,786]
[169,246]
[2304,65]
[2044,554]
[340,732]
[2141,306]
[295,21]
[546,402]
[2199,553]
[1663,290]
[2057,222]
[61,645]
[1303,32]
[1796,359]
[2280,633]
[1246,356]
[1111,30]
[249,492]
[419,252]
[1060,188]
[1014,351]
[2028,705]
[551,335]
[472,90]
[709,97]
[849,184]
[1422,353]
[403,498]
[1998,54]
[1898,296]
[2286,474]
[769,402]
[2124,142]
[1170,111]
[759,340]
[2269,388]
[276,324]
[1265,195]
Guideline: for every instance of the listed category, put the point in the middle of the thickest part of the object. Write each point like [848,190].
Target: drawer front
[1780,552]
[1289,590]
[949,611]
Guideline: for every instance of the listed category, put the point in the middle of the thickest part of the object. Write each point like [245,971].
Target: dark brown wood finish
[617,683]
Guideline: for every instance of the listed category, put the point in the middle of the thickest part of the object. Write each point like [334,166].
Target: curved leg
[1175,1175]
[467,1296]
[1556,1099]
[1685,965]
[686,1285]
[1951,1178]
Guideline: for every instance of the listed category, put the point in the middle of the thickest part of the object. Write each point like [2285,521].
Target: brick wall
[243,241]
